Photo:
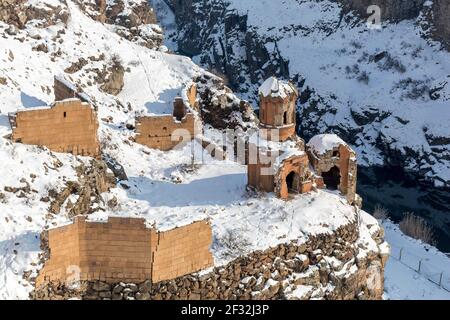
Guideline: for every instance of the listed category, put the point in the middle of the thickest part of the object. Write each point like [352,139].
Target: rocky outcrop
[133,20]
[113,81]
[436,13]
[219,107]
[18,13]
[328,266]
[93,180]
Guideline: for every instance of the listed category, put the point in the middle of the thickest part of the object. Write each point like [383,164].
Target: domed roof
[274,87]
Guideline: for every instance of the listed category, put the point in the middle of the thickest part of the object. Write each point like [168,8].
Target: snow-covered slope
[402,279]
[153,80]
[385,90]
[163,187]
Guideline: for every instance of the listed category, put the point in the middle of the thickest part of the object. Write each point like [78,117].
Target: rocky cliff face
[133,20]
[394,10]
[225,43]
[441,21]
[17,13]
[398,10]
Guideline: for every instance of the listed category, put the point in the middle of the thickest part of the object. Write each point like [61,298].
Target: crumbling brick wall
[123,249]
[164,132]
[269,172]
[344,158]
[67,126]
[302,179]
[258,169]
[181,251]
[278,113]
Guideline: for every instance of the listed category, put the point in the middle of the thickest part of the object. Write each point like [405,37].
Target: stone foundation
[270,274]
[124,249]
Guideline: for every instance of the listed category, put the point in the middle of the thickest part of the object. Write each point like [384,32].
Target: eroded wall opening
[292,183]
[332,178]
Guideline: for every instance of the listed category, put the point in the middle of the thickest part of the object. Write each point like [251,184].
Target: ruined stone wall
[266,175]
[298,165]
[267,274]
[115,251]
[68,126]
[344,159]
[257,176]
[277,113]
[164,132]
[181,250]
[123,249]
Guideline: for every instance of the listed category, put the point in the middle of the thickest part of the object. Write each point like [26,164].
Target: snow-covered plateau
[166,188]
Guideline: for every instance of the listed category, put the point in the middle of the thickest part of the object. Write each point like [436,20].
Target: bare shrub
[391,63]
[363,77]
[234,243]
[417,228]
[380,213]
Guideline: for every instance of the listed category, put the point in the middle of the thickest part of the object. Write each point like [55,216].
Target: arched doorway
[332,178]
[292,184]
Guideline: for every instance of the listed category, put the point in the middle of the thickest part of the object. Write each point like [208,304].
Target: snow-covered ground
[164,187]
[402,281]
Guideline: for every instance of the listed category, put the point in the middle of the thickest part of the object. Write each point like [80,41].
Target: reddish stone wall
[344,158]
[123,249]
[303,181]
[298,165]
[181,251]
[68,126]
[164,132]
[278,113]
[257,172]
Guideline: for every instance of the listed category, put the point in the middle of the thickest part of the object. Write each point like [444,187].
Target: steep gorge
[230,43]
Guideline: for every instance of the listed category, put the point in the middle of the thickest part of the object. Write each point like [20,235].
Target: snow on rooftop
[276,88]
[322,143]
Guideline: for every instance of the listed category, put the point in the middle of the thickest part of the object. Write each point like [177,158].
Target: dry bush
[234,243]
[380,213]
[417,228]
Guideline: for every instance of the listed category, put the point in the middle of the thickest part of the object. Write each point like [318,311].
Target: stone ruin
[335,162]
[278,160]
[66,126]
[124,249]
[165,132]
